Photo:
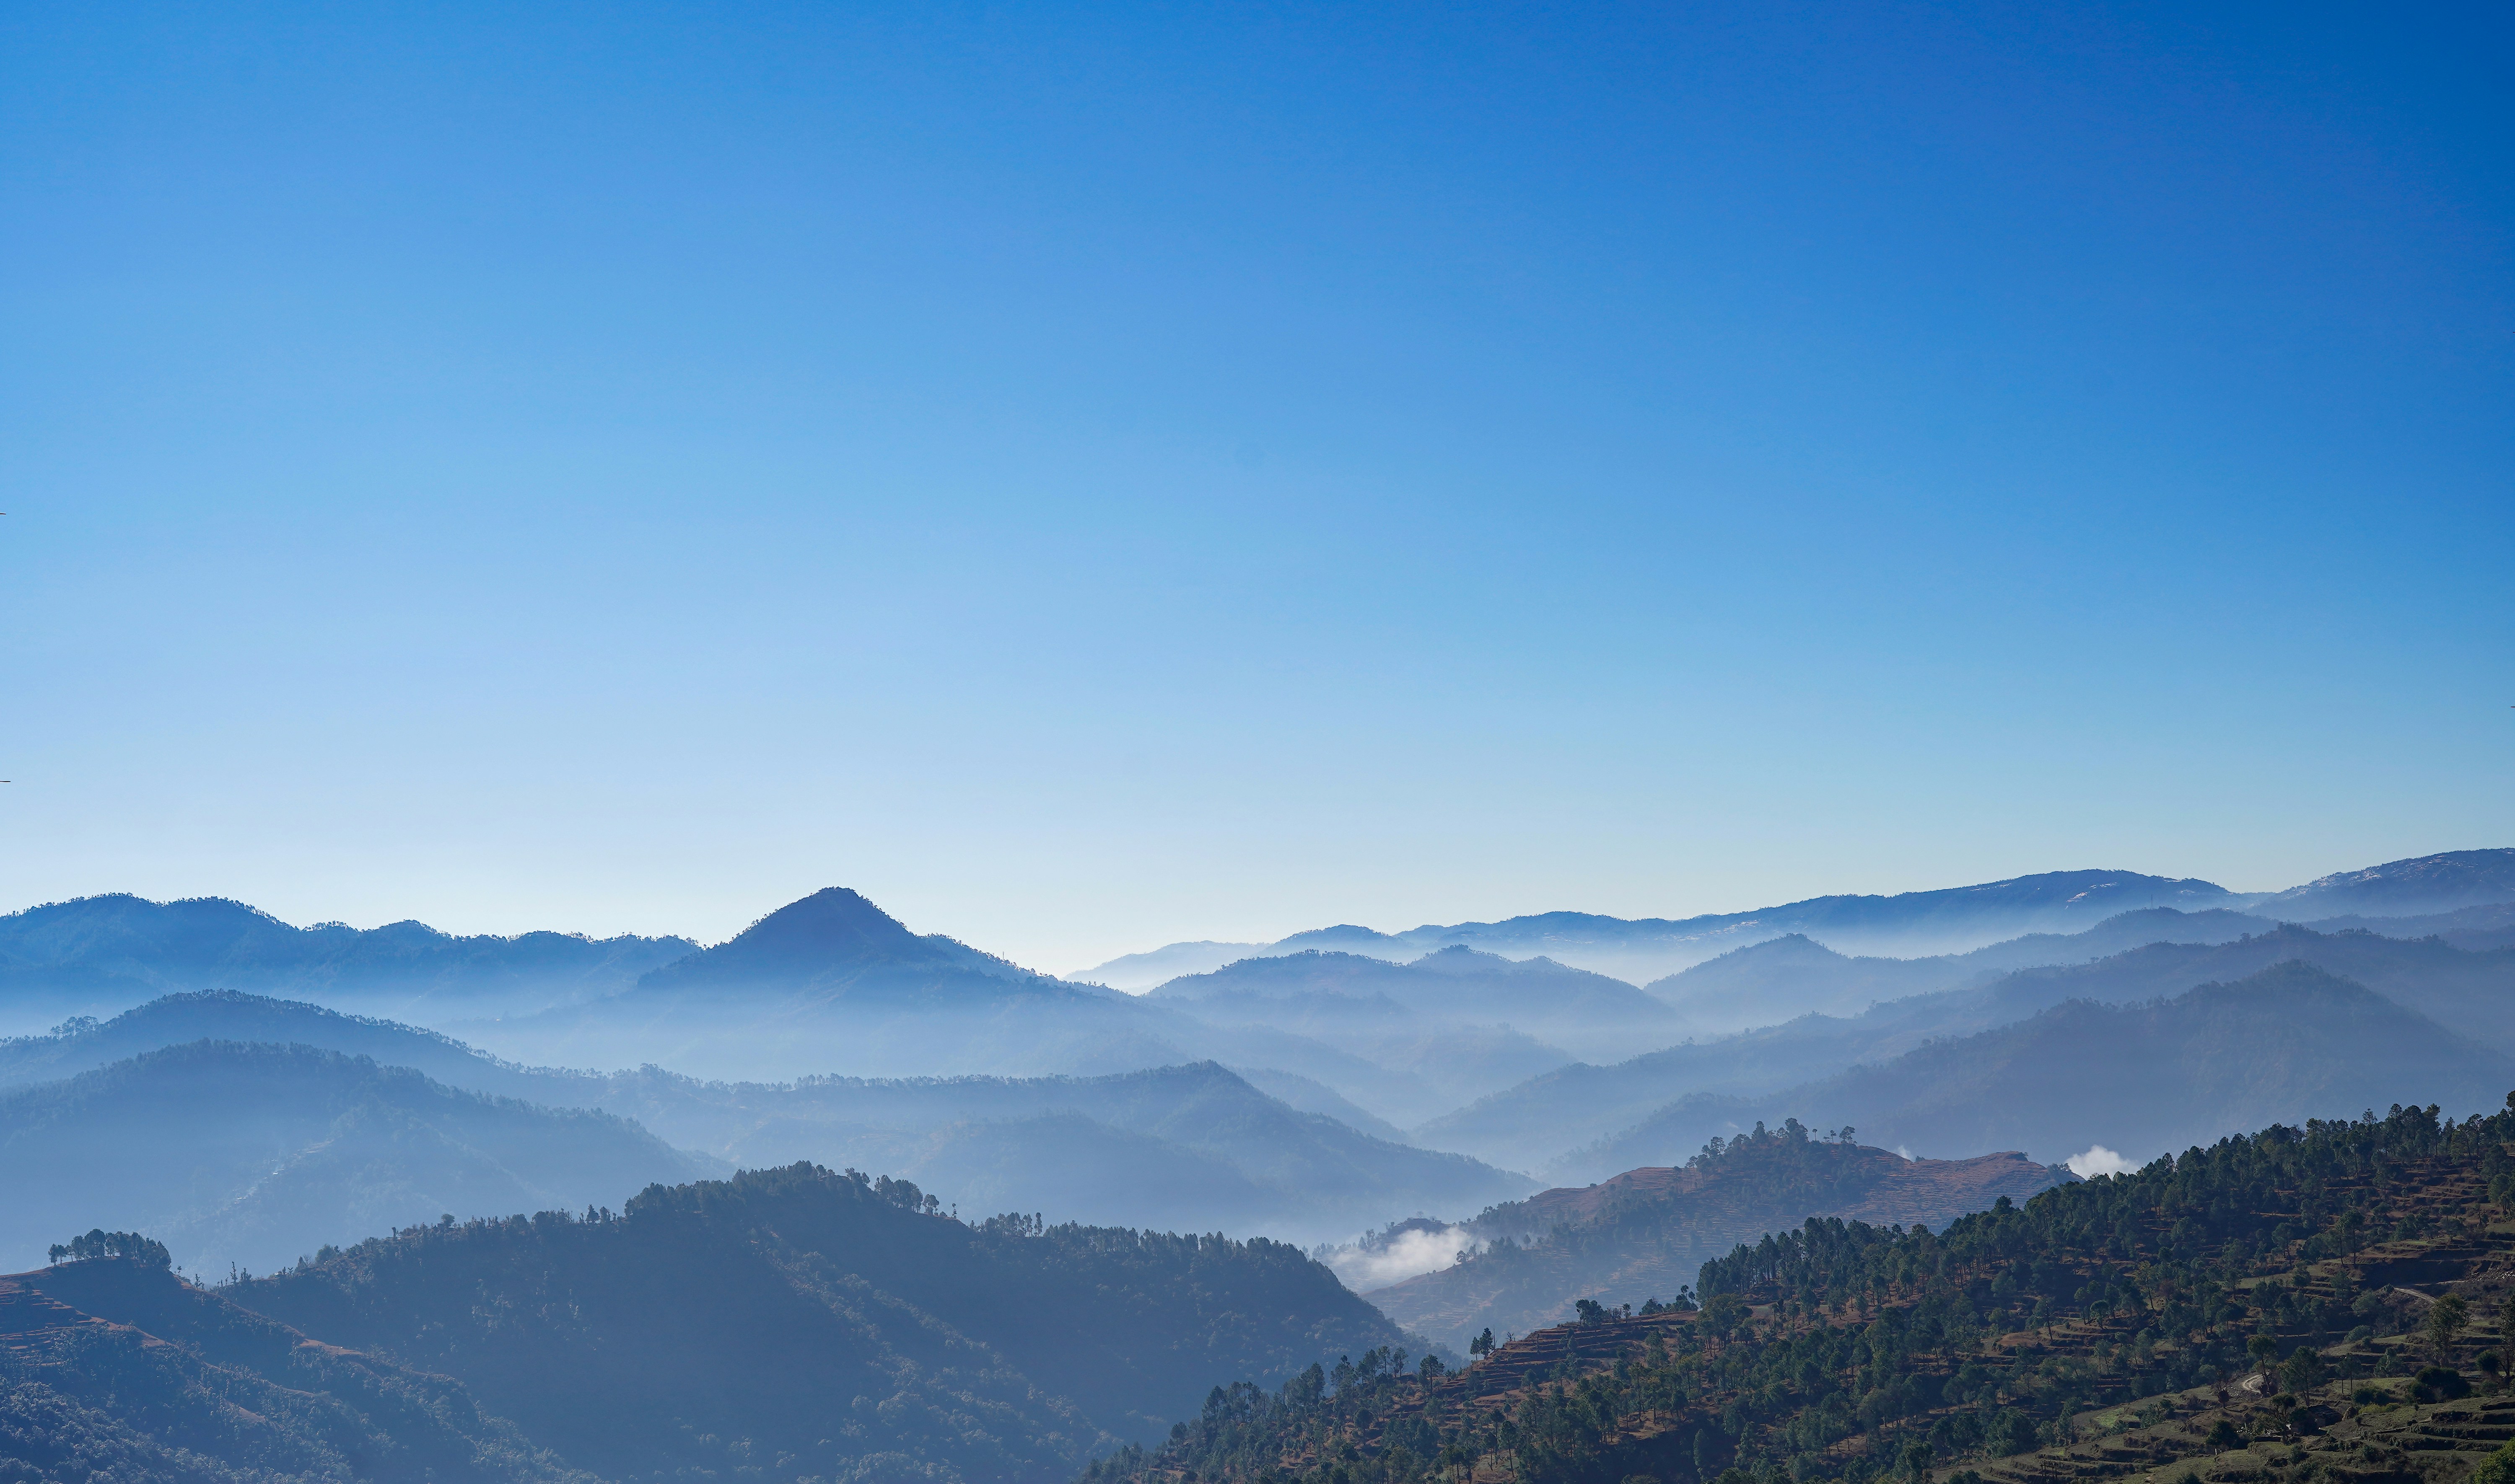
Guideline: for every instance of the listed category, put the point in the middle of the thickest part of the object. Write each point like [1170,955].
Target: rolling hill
[1643,1233]
[1547,1003]
[2473,991]
[784,1324]
[260,1154]
[826,1320]
[116,1370]
[2283,1044]
[2251,1310]
[1230,1156]
[1791,975]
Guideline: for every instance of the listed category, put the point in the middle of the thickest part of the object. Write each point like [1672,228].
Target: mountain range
[1912,923]
[255,1154]
[2283,1045]
[371,1107]
[1535,1125]
[105,952]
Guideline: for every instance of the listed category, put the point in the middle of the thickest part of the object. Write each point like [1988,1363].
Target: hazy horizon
[1096,480]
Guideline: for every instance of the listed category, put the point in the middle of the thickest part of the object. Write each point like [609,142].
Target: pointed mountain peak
[833,920]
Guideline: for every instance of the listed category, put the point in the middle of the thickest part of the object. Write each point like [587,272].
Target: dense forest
[817,1324]
[180,1386]
[2303,1304]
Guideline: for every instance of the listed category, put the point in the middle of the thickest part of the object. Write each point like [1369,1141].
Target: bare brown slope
[1645,1232]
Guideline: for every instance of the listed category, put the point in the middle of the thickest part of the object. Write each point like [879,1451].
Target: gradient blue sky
[1092,478]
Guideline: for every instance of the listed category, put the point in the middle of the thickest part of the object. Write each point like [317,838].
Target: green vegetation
[2102,1328]
[99,1243]
[813,1324]
[1645,1233]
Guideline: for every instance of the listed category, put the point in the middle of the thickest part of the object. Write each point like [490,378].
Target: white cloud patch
[1403,1255]
[2098,1160]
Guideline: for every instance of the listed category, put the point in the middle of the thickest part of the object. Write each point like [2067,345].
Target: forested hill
[1643,1233]
[821,1322]
[180,1386]
[2107,1328]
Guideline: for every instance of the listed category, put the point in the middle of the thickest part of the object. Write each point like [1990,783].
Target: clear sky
[1088,478]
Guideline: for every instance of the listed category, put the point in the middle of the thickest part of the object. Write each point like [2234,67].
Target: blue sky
[1089,478]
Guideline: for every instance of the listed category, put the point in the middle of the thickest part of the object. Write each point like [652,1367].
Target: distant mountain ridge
[258,1153]
[2422,885]
[2282,1044]
[111,951]
[1184,1146]
[1912,923]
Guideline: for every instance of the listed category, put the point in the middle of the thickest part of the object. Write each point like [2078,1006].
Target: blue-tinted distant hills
[834,944]
[1947,921]
[1640,949]
[1189,1147]
[1385,1007]
[110,952]
[2471,992]
[2279,1045]
[260,1153]
[2420,887]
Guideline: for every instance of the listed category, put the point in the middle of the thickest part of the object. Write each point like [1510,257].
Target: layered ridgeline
[2101,1329]
[1914,923]
[1454,1022]
[2416,998]
[834,985]
[2277,1046]
[1194,1147]
[101,954]
[254,1154]
[1643,1234]
[1638,949]
[786,1325]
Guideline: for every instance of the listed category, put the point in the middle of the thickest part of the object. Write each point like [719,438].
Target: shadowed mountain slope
[2491,925]
[2107,1329]
[119,1371]
[258,1154]
[1792,975]
[796,1313]
[1078,1148]
[84,1044]
[1645,1232]
[2474,992]
[2287,1043]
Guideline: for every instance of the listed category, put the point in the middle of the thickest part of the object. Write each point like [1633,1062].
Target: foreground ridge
[2299,1305]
